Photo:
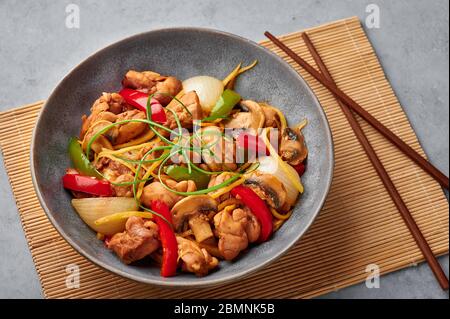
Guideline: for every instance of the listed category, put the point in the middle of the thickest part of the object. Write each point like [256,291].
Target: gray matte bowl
[182,52]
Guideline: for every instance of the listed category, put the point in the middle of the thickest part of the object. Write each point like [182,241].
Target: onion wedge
[115,223]
[91,209]
[286,168]
[208,89]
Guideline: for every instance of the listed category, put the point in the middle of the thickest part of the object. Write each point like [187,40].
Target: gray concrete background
[37,50]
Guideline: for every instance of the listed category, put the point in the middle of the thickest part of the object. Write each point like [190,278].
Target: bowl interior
[182,52]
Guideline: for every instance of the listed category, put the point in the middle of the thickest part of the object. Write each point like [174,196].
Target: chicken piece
[95,118]
[139,239]
[190,102]
[138,154]
[106,108]
[117,173]
[184,141]
[292,147]
[140,80]
[111,168]
[102,141]
[167,87]
[164,87]
[219,179]
[156,191]
[236,230]
[218,151]
[153,155]
[252,225]
[128,131]
[195,259]
[123,191]
[272,118]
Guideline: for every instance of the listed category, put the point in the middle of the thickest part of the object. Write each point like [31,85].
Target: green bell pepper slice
[225,103]
[181,173]
[79,160]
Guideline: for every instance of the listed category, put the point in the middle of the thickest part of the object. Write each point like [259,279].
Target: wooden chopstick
[330,85]
[401,206]
[389,185]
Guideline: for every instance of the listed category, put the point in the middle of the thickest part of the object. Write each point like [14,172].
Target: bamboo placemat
[358,226]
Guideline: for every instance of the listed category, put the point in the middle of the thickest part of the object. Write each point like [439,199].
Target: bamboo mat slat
[359,224]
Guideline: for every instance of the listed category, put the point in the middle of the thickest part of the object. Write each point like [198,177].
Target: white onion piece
[269,165]
[91,209]
[208,89]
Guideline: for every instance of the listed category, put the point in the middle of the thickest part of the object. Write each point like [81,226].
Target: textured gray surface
[37,50]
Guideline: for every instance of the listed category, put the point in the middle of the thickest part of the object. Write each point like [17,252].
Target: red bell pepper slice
[87,184]
[300,168]
[139,100]
[168,239]
[252,143]
[258,208]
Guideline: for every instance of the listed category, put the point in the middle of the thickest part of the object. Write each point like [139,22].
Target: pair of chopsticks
[347,104]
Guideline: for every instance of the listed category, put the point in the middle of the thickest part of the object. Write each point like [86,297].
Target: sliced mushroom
[252,119]
[269,188]
[194,210]
[292,147]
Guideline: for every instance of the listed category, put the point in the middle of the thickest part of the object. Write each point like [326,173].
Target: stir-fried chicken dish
[184,174]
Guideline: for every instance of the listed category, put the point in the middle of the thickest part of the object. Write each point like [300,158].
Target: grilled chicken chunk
[195,259]
[156,191]
[106,107]
[236,229]
[139,239]
[128,131]
[164,87]
[116,173]
[187,111]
